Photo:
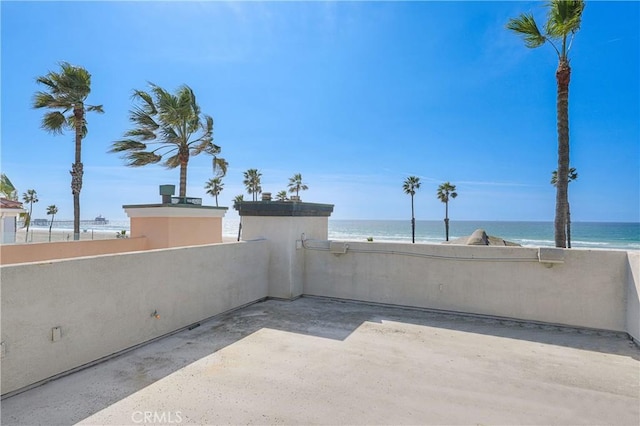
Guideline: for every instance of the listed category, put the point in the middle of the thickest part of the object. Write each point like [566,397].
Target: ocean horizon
[596,235]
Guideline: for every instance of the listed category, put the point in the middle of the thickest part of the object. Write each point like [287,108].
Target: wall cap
[283,208]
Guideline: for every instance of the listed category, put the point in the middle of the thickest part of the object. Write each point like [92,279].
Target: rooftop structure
[321,361]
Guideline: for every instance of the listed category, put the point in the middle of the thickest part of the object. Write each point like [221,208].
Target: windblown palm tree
[174,127]
[53,211]
[446,191]
[237,200]
[29,197]
[281,196]
[296,185]
[410,185]
[252,182]
[66,93]
[214,187]
[563,22]
[573,175]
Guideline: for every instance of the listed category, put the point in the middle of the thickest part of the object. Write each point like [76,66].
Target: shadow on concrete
[73,398]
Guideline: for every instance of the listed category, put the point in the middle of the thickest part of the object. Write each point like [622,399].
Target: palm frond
[141,158]
[54,122]
[564,17]
[143,134]
[525,25]
[220,166]
[172,162]
[95,108]
[127,145]
[47,100]
[148,107]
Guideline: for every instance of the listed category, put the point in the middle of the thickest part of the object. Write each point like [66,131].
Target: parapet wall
[590,289]
[62,314]
[36,252]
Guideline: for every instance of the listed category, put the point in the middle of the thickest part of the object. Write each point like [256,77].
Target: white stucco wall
[588,290]
[633,295]
[104,304]
[286,258]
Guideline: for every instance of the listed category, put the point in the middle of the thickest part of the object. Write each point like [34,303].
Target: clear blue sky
[356,96]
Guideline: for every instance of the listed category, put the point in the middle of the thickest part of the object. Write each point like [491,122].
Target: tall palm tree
[214,187]
[174,126]
[296,185]
[53,211]
[410,185]
[573,175]
[281,196]
[252,182]
[29,197]
[563,22]
[446,191]
[65,94]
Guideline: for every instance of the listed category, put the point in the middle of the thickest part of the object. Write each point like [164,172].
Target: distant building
[9,212]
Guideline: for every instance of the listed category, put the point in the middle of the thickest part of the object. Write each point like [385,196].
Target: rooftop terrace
[322,361]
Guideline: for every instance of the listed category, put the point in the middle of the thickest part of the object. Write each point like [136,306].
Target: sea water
[602,235]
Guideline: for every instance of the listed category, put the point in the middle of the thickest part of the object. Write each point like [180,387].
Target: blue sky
[355,96]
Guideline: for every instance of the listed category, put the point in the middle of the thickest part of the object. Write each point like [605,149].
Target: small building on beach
[9,212]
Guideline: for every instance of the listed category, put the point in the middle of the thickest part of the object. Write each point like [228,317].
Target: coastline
[41,235]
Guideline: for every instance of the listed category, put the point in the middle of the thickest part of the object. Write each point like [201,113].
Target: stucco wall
[588,290]
[286,258]
[633,295]
[163,232]
[104,304]
[35,252]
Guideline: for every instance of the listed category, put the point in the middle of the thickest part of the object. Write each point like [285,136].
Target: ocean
[597,235]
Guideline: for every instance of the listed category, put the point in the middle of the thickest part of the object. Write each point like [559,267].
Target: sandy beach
[40,235]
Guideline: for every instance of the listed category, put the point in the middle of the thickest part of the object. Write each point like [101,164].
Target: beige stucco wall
[286,257]
[163,232]
[588,290]
[103,304]
[633,295]
[34,252]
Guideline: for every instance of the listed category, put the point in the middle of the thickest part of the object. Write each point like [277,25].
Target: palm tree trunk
[26,237]
[568,226]
[51,226]
[183,177]
[413,223]
[77,170]
[216,200]
[563,76]
[446,221]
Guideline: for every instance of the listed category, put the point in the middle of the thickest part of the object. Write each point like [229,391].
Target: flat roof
[316,360]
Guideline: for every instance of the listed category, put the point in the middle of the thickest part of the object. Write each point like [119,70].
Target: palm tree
[573,175]
[237,200]
[176,128]
[65,93]
[563,22]
[446,191]
[51,210]
[296,185]
[7,190]
[410,185]
[29,197]
[214,187]
[281,196]
[252,182]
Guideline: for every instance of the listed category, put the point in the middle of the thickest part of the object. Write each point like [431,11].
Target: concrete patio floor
[320,361]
